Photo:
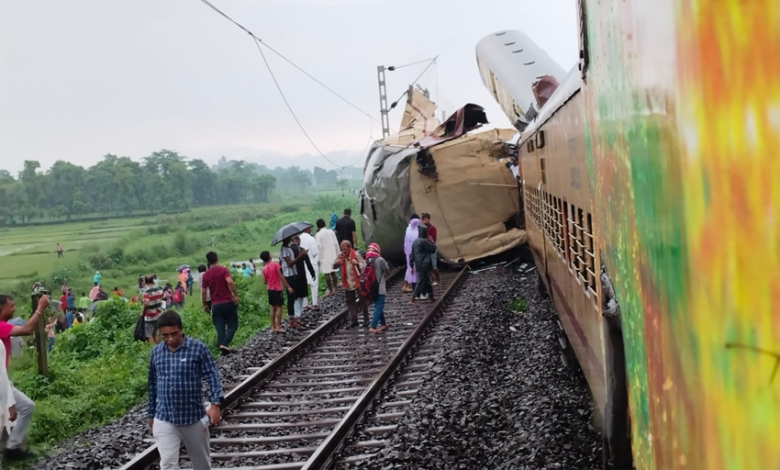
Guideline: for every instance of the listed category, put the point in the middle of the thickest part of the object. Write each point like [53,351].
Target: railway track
[298,411]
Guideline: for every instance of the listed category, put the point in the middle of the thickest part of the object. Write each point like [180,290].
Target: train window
[362,204]
[540,139]
[560,235]
[566,243]
[510,43]
[373,209]
[582,272]
[583,33]
[541,166]
[517,51]
[574,234]
[529,63]
[501,33]
[590,257]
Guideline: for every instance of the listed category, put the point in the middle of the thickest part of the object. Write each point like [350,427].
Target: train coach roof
[570,86]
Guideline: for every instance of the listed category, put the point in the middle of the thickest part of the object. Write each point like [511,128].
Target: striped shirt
[175,382]
[287,271]
[154,296]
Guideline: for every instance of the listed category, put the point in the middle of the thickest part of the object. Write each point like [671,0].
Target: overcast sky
[82,78]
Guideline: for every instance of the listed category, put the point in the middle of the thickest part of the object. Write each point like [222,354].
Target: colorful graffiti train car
[653,213]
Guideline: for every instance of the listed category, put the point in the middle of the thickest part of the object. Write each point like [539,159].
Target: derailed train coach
[462,179]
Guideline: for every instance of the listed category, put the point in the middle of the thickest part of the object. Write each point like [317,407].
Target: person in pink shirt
[272,276]
[23,410]
[93,294]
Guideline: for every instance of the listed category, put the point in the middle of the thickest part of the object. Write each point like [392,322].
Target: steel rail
[151,455]
[323,457]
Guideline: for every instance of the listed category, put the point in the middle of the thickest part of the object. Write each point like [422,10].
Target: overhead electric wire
[284,98]
[394,67]
[317,81]
[432,61]
[258,42]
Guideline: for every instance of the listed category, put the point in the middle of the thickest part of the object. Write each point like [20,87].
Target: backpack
[139,333]
[368,285]
[176,296]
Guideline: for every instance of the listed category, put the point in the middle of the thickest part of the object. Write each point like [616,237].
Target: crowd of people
[178,364]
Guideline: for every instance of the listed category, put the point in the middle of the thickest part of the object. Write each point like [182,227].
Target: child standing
[272,276]
[50,322]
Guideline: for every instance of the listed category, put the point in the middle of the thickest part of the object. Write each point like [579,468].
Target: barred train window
[566,225]
[590,257]
[574,235]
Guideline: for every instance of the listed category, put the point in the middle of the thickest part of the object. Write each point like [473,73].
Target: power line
[258,42]
[210,5]
[278,87]
[432,61]
[393,67]
[317,81]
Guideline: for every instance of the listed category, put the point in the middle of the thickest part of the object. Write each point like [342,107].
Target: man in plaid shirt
[176,412]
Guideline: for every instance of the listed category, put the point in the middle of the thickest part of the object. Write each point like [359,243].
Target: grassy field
[97,371]
[124,248]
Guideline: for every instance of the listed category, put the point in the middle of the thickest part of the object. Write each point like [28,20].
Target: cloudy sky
[82,78]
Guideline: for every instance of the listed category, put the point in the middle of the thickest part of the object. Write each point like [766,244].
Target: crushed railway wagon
[652,212]
[458,177]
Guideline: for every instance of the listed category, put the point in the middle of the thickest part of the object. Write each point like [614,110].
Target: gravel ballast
[499,396]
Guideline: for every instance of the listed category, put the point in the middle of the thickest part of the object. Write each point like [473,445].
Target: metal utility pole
[41,339]
[383,110]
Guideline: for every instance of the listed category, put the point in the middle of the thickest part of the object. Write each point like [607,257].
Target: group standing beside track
[178,364]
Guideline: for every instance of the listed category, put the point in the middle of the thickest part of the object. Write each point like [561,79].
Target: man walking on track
[328,248]
[224,301]
[345,228]
[381,271]
[176,413]
[349,263]
[309,244]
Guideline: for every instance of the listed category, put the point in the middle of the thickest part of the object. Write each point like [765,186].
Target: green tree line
[165,181]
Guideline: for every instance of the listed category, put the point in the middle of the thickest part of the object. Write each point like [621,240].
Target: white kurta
[309,244]
[6,393]
[329,249]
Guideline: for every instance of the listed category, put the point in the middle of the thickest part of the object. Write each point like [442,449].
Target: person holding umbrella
[289,259]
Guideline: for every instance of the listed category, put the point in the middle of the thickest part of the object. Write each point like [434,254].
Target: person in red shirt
[272,276]
[224,301]
[426,220]
[22,411]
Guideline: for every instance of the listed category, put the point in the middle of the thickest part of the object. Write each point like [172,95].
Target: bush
[62,276]
[289,208]
[98,372]
[327,204]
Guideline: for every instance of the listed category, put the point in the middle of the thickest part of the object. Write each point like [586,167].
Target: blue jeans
[51,343]
[378,318]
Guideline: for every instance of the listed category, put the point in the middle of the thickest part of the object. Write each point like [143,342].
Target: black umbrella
[289,230]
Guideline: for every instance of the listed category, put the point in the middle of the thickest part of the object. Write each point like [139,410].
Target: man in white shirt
[328,250]
[309,244]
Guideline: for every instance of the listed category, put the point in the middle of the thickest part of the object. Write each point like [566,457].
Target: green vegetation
[518,305]
[97,371]
[164,182]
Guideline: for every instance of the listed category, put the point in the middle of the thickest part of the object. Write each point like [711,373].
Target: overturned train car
[461,179]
